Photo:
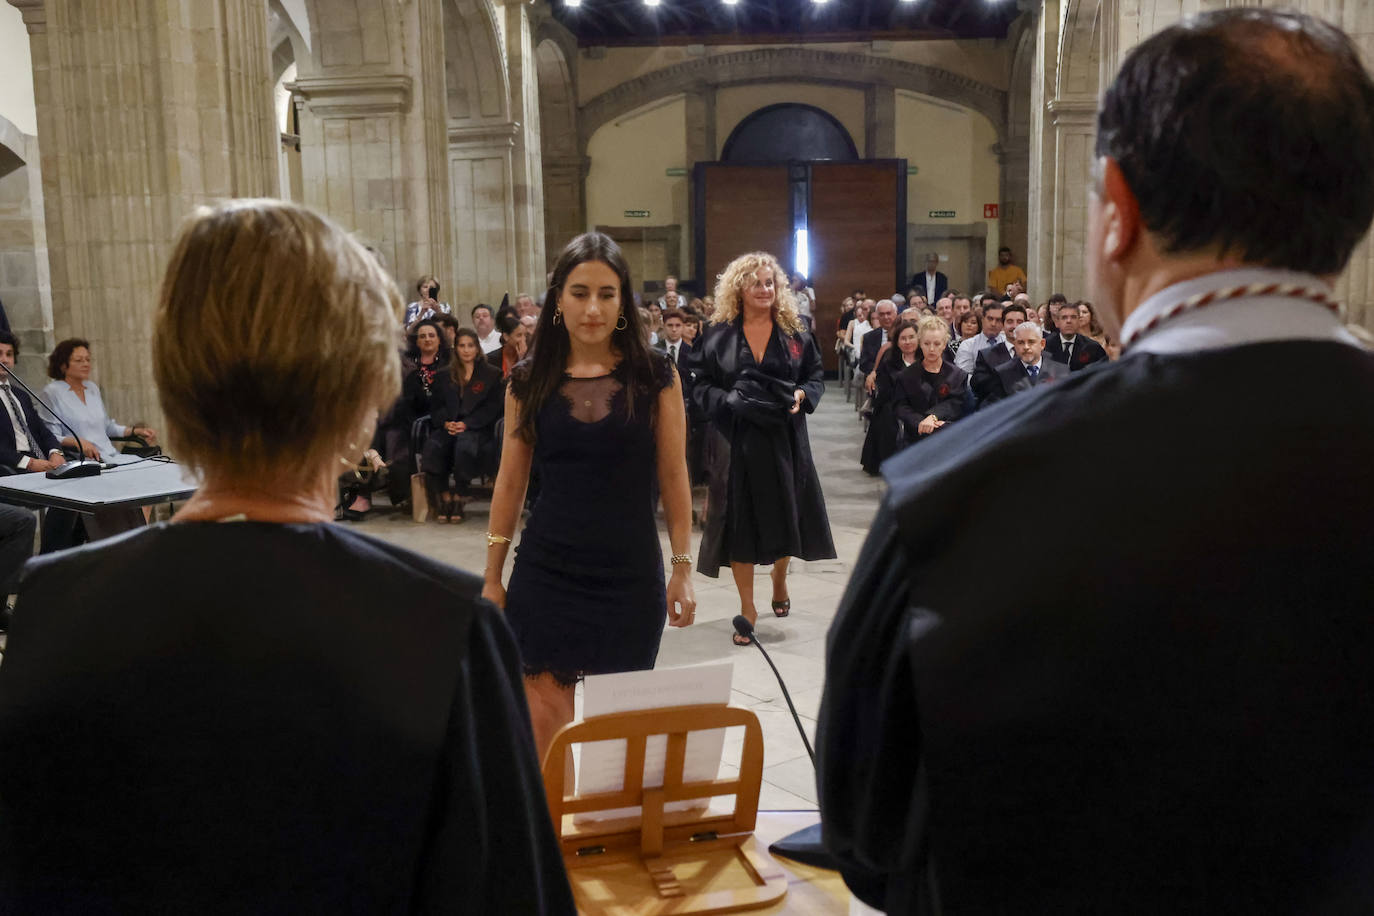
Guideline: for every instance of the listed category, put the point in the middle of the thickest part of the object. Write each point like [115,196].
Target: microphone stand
[803,845]
[69,470]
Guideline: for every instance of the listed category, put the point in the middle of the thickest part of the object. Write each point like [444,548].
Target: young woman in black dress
[603,416]
[756,374]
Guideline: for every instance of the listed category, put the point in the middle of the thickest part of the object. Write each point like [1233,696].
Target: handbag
[419,499]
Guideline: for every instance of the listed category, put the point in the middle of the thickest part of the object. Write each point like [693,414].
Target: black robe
[881,438]
[779,456]
[916,398]
[1184,724]
[479,405]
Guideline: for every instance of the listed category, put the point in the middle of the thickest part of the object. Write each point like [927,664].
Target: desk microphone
[69,470]
[804,845]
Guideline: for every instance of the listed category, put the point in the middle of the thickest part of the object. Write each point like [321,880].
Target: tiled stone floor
[797,643]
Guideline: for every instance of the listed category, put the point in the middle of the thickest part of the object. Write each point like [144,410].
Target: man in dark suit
[1030,367]
[931,283]
[1075,350]
[27,446]
[986,384]
[884,316]
[1183,725]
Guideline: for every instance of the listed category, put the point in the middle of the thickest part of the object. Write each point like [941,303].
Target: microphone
[71,469]
[744,628]
[804,845]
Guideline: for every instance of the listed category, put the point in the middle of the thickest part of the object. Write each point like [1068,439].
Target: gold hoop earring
[557,315]
[622,324]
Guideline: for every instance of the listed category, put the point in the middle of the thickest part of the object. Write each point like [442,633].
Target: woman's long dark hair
[456,364]
[893,356]
[538,376]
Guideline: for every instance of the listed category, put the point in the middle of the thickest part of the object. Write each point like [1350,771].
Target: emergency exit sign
[942,214]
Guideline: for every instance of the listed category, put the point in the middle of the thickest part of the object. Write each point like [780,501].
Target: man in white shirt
[669,286]
[525,306]
[482,321]
[932,283]
[990,335]
[672,342]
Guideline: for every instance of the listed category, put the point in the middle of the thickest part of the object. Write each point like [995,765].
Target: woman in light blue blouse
[76,399]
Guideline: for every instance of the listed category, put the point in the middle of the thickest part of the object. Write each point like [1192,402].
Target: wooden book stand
[664,862]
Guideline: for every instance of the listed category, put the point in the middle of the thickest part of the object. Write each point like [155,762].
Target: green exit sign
[636,214]
[676,173]
[942,214]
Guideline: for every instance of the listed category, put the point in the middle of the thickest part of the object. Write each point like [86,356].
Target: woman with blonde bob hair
[757,373]
[296,717]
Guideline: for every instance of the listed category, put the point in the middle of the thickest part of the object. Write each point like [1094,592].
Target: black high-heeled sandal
[782,608]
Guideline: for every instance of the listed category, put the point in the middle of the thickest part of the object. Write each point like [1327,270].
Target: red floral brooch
[478,387]
[795,347]
[1083,358]
[944,391]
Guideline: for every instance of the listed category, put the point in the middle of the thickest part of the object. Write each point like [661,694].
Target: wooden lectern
[664,862]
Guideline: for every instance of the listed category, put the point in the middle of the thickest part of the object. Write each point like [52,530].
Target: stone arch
[358,35]
[820,127]
[286,37]
[476,81]
[564,196]
[1078,69]
[807,65]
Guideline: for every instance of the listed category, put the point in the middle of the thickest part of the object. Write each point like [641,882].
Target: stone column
[481,163]
[880,122]
[1040,199]
[145,109]
[1013,159]
[1074,126]
[700,116]
[373,151]
[565,203]
[527,172]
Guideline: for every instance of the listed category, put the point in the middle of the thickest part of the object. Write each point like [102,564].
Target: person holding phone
[428,305]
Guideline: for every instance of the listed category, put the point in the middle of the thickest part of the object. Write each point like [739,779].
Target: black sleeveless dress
[586,593]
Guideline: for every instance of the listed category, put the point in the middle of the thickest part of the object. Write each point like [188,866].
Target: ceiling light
[730,2]
[572,2]
[651,2]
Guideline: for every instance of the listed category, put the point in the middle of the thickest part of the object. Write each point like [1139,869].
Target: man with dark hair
[1184,724]
[484,323]
[671,342]
[990,337]
[1005,273]
[27,446]
[1077,351]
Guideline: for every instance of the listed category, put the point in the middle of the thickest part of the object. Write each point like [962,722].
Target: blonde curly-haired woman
[757,375]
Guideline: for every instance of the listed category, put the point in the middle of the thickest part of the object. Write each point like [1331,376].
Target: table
[809,890]
[134,482]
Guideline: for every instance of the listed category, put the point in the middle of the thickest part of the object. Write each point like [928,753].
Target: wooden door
[857,235]
[740,208]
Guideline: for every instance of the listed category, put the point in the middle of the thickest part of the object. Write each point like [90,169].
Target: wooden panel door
[856,230]
[740,208]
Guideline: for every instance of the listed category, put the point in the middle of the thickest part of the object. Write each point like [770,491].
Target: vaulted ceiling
[633,22]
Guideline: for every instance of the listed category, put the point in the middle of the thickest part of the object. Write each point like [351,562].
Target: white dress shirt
[491,342]
[673,349]
[21,441]
[1254,319]
[90,420]
[970,348]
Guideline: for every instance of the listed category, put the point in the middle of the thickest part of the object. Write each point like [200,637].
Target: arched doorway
[790,130]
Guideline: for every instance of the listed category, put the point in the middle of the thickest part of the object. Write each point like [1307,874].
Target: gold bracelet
[681,559]
[494,539]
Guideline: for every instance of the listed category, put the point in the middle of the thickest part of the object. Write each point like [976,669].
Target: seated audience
[425,358]
[1075,350]
[883,317]
[880,441]
[673,344]
[984,381]
[1030,368]
[968,325]
[931,394]
[264,711]
[462,439]
[427,306]
[514,343]
[525,306]
[945,309]
[529,322]
[76,399]
[449,326]
[691,327]
[484,322]
[853,333]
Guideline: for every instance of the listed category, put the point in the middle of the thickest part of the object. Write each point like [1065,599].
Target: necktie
[20,421]
[1034,371]
[1068,350]
[672,353]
